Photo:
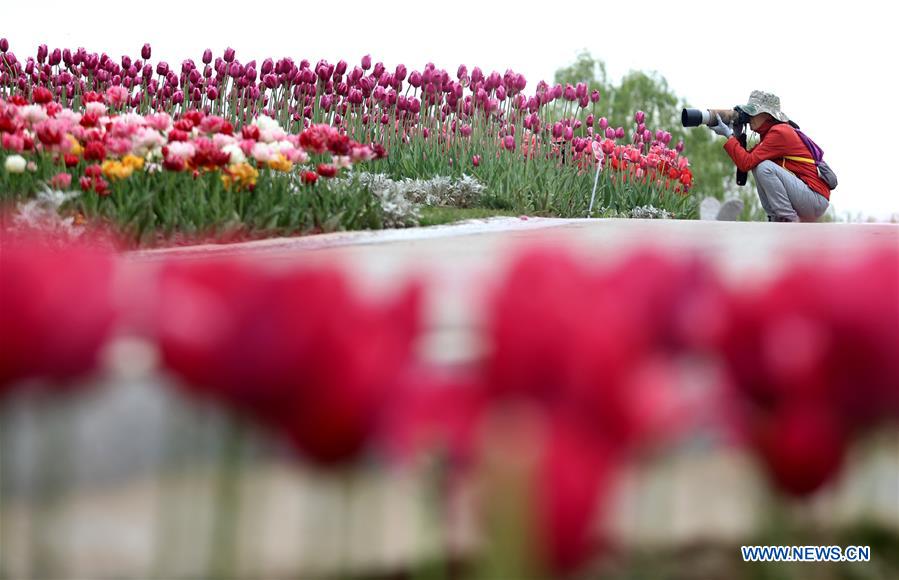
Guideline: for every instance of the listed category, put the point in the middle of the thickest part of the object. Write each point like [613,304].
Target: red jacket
[778,140]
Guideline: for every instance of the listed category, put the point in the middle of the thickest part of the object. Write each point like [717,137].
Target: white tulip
[15,164]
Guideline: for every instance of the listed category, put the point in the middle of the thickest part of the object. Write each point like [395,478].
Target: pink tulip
[61,181]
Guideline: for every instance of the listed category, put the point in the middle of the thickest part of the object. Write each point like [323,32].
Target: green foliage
[712,169]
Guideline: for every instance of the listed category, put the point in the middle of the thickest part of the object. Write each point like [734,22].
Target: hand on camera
[722,128]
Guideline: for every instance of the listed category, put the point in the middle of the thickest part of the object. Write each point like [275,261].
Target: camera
[736,118]
[696,117]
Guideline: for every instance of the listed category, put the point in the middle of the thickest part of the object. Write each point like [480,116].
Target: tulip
[366,62]
[4,45]
[41,335]
[15,164]
[229,55]
[207,56]
[145,52]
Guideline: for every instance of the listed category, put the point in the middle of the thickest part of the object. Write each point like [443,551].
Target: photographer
[789,187]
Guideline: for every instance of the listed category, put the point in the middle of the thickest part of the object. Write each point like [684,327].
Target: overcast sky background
[833,65]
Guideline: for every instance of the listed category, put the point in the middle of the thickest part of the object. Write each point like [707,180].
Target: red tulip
[294,350]
[803,447]
[43,333]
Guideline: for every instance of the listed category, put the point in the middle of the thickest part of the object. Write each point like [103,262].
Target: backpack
[824,171]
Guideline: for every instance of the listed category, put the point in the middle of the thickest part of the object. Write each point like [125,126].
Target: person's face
[757,121]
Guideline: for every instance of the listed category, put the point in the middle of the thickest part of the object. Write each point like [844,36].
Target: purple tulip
[162,68]
[268,66]
[594,96]
[378,70]
[680,146]
[415,79]
[67,57]
[569,133]
[270,80]
[194,76]
[340,68]
[229,55]
[207,56]
[147,72]
[366,62]
[4,45]
[509,143]
[234,70]
[145,52]
[639,117]
[580,90]
[610,133]
[619,133]
[29,67]
[55,57]
[177,97]
[501,93]
[603,123]
[558,128]
[570,94]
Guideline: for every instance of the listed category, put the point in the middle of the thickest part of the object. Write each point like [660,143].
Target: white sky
[832,64]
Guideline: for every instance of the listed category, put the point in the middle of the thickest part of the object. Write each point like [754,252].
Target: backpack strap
[799,159]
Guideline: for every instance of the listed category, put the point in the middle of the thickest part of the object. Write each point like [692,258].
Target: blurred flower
[41,334]
[15,164]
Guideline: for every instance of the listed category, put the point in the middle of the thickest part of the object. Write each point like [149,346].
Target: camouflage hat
[762,102]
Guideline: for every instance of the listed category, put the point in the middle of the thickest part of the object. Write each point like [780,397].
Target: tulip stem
[226,515]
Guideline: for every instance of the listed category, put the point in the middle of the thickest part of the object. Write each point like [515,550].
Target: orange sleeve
[773,146]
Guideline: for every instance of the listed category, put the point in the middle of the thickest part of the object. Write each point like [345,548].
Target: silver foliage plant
[401,200]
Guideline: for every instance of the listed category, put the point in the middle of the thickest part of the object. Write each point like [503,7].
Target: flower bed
[582,376]
[549,152]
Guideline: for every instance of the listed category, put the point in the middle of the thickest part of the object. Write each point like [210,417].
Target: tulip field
[225,149]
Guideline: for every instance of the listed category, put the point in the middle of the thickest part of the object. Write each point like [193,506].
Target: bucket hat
[762,102]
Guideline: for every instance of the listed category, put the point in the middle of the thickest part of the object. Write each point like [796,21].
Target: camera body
[736,118]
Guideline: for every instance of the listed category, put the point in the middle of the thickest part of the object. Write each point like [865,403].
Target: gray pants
[785,197]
